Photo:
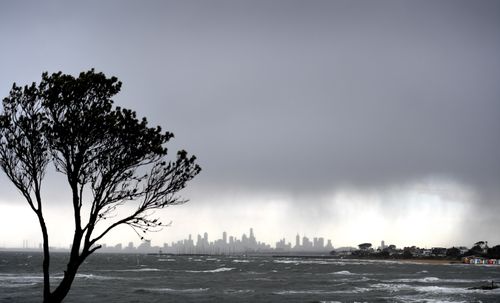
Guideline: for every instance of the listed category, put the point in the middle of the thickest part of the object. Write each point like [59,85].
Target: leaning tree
[108,156]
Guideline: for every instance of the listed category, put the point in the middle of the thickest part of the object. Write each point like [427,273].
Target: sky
[356,121]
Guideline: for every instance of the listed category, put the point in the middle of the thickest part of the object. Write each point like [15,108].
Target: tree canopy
[108,156]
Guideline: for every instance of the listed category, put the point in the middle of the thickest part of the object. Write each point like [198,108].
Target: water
[148,278]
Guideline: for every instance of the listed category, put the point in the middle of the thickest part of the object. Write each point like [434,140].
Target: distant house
[426,252]
[463,250]
[438,251]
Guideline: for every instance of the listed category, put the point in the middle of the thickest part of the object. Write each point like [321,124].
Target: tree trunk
[75,260]
[62,290]
[46,259]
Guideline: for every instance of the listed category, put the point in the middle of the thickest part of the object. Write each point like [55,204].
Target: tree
[453,252]
[108,156]
[365,246]
[482,244]
[494,252]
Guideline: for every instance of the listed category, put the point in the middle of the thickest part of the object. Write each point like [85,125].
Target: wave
[19,277]
[420,299]
[268,279]
[286,261]
[16,285]
[172,290]
[97,277]
[454,290]
[9,280]
[166,260]
[222,269]
[392,287]
[355,290]
[255,273]
[343,272]
[138,269]
[432,280]
[297,262]
[238,291]
[432,289]
[241,261]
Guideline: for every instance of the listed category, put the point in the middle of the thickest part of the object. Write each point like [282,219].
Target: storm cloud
[290,97]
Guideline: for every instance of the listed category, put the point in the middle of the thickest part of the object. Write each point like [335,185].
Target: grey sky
[294,99]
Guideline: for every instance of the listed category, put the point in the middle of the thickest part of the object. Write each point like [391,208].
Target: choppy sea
[152,278]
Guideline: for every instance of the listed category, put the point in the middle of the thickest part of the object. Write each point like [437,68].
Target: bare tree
[109,157]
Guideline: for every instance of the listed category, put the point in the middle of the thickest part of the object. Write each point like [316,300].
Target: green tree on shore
[108,156]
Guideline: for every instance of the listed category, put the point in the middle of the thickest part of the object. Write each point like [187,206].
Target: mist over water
[153,278]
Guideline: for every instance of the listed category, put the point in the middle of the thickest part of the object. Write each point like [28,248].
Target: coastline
[429,261]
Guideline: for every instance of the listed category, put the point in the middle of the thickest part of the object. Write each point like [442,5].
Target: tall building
[252,240]
[329,245]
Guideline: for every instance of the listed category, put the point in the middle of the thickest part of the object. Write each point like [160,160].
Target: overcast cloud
[293,100]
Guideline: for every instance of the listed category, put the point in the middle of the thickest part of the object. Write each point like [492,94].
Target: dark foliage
[453,252]
[108,155]
[365,246]
[494,252]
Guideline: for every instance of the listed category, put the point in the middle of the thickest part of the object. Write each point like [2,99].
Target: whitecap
[21,278]
[431,280]
[297,262]
[241,261]
[453,290]
[96,277]
[432,289]
[392,287]
[322,291]
[166,260]
[285,261]
[141,269]
[172,290]
[238,291]
[222,269]
[343,272]
[419,299]
[16,285]
[9,280]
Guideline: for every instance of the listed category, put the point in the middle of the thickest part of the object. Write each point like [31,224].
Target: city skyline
[224,245]
[231,245]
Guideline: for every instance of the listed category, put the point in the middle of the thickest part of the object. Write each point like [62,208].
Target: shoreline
[429,261]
